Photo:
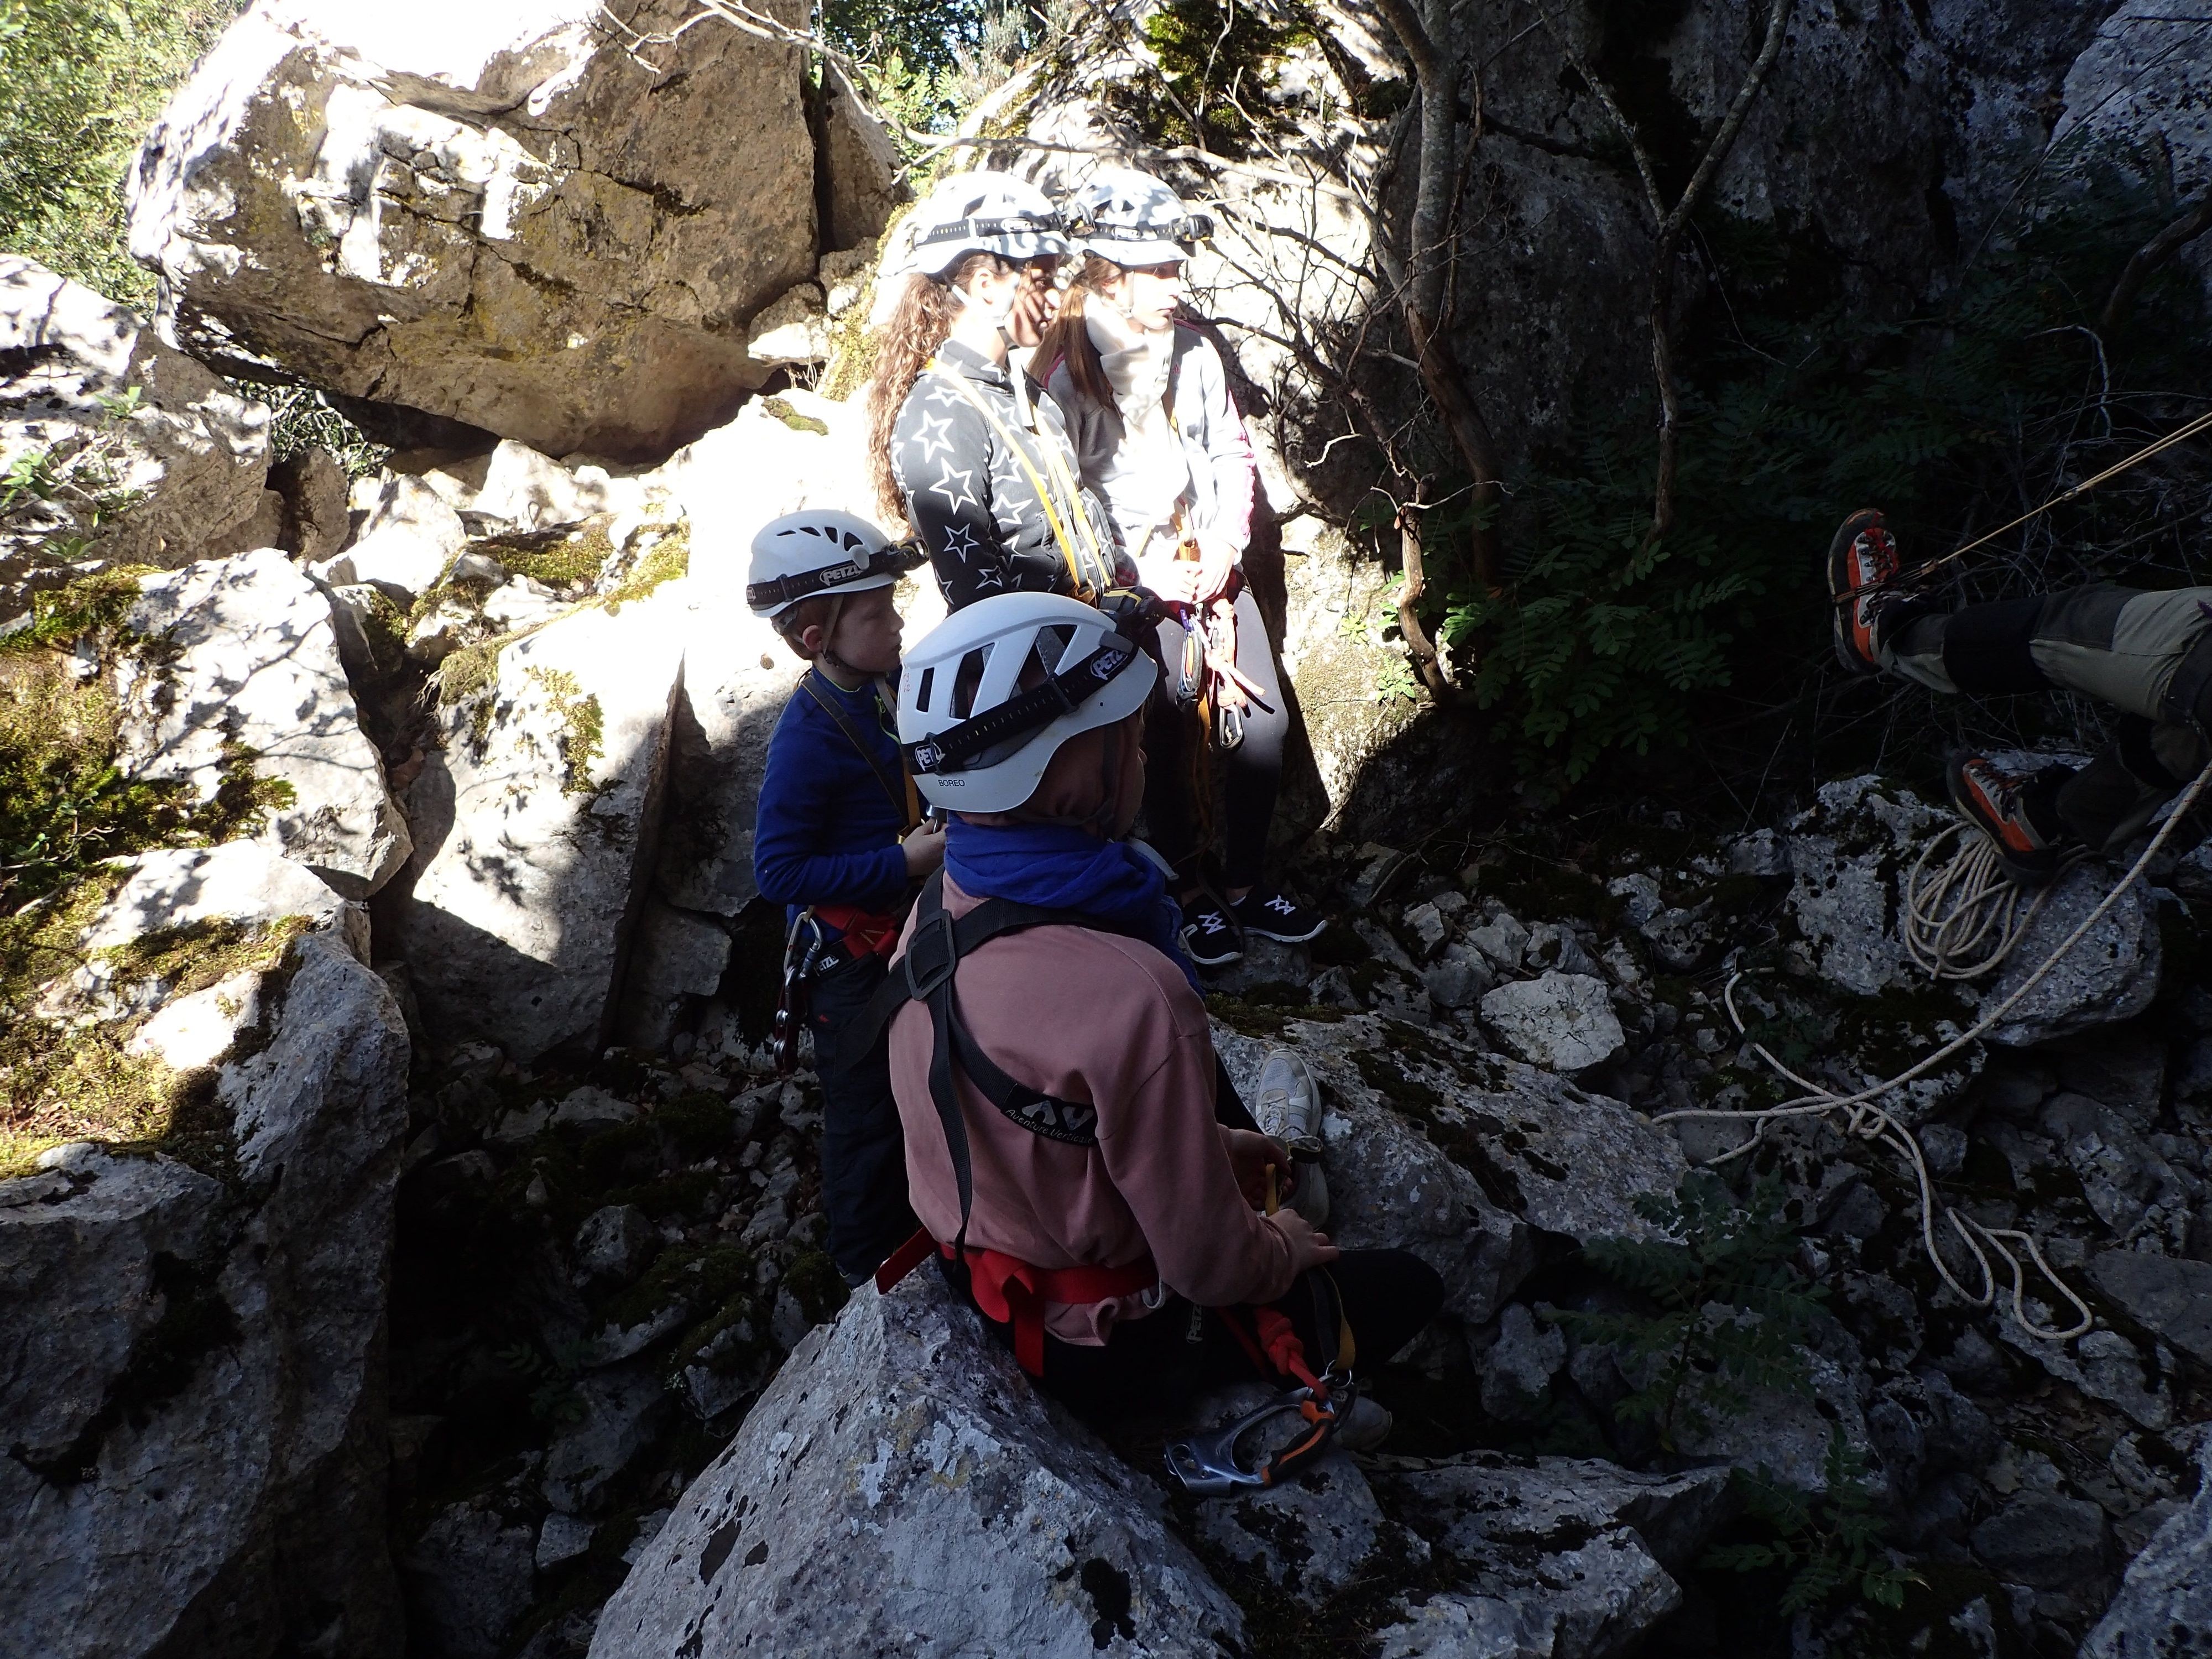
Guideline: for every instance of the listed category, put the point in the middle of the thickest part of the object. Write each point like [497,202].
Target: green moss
[816,1285]
[583,728]
[781,409]
[1220,57]
[61,1081]
[698,1275]
[666,560]
[558,558]
[1256,1017]
[97,604]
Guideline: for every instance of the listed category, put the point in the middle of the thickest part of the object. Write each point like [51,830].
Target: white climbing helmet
[975,213]
[976,740]
[1132,219]
[820,552]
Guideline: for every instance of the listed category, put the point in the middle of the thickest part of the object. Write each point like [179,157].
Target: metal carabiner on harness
[792,998]
[1207,1464]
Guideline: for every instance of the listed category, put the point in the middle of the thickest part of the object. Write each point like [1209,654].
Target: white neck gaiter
[1152,473]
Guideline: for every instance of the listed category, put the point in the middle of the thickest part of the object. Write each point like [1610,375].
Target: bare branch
[2194,221]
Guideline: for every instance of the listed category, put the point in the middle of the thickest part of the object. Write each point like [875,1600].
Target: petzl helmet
[975,739]
[819,551]
[1132,219]
[976,213]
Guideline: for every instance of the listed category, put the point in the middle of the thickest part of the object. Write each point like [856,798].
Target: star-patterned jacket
[970,499]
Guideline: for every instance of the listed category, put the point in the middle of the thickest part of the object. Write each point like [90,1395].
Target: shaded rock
[902,1488]
[2164,1607]
[1503,941]
[562,1538]
[203,1368]
[1390,1184]
[499,215]
[620,1412]
[1517,1368]
[1562,1021]
[860,166]
[678,960]
[174,458]
[366,626]
[2171,1298]
[1459,979]
[2044,1539]
[533,828]
[318,509]
[1781,1432]
[1565,1558]
[2103,1365]
[252,666]
[469,1579]
[615,1242]
[1850,852]
[1311,1535]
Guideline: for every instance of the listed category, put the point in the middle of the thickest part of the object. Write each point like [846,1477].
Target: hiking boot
[2003,806]
[1208,935]
[1862,560]
[1272,914]
[1365,1426]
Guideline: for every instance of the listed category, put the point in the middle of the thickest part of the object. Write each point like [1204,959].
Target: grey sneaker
[1365,1426]
[1289,1106]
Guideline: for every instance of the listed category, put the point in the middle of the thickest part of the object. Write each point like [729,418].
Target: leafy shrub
[1725,1309]
[1829,1545]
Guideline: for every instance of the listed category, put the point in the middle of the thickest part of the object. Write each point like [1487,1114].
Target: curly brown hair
[1065,340]
[905,345]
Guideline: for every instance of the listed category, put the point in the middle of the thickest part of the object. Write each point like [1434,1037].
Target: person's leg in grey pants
[2147,655]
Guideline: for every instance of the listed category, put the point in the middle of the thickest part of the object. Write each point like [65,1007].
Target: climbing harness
[1920,572]
[1209,1464]
[1963,917]
[1869,1121]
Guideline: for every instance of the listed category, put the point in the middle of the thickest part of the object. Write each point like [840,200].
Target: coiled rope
[1869,1121]
[1962,918]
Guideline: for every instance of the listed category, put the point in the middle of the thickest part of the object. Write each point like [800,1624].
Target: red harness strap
[1014,1293]
[867,933]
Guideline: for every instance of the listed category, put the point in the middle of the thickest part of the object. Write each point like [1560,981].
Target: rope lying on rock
[1962,920]
[1870,1122]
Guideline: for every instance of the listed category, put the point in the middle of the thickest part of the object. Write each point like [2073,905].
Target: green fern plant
[1724,1311]
[1830,1546]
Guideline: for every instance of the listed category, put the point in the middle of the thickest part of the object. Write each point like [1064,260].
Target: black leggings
[1182,1351]
[1253,771]
[863,1146]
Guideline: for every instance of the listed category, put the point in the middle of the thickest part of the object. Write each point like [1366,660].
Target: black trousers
[1252,773]
[863,1148]
[1183,1350]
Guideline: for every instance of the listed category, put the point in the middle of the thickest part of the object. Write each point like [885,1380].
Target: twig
[1418,644]
[2169,242]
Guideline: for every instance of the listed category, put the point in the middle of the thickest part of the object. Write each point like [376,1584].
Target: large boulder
[2164,1607]
[1563,1558]
[534,825]
[191,1360]
[248,682]
[147,458]
[529,217]
[902,1488]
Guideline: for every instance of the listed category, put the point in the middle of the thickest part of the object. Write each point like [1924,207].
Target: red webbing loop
[903,1260]
[1014,1292]
[867,933]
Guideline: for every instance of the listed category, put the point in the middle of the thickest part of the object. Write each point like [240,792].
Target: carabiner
[1207,1464]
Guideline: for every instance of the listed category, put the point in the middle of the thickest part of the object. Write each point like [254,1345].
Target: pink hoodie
[1093,1017]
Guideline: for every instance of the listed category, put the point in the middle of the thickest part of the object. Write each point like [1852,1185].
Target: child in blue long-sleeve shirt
[836,843]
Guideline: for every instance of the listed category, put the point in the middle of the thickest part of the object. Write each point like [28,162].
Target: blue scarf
[1059,867]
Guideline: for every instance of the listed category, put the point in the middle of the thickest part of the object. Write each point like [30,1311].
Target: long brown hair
[1066,340]
[904,346]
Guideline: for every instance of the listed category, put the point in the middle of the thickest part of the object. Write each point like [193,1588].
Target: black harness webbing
[925,974]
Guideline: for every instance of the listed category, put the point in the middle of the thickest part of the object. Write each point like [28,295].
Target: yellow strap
[960,383]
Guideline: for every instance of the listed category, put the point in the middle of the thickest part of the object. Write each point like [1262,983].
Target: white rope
[1870,1122]
[1962,920]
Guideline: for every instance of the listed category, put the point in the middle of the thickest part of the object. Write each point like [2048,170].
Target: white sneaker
[1289,1106]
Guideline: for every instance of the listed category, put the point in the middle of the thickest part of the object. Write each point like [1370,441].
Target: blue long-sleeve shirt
[827,831]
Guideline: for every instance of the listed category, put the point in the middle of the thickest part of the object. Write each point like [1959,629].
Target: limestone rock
[1562,1021]
[123,416]
[317,498]
[468,1578]
[902,1487]
[2172,1298]
[532,827]
[1851,852]
[498,215]
[201,1370]
[253,665]
[1309,1535]
[861,165]
[1394,1183]
[409,536]
[620,1412]
[1570,1558]
[2164,1606]
[679,958]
